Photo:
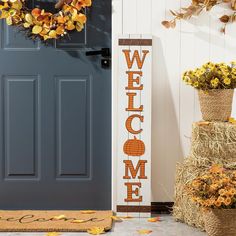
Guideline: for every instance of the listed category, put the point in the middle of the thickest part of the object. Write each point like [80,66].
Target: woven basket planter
[220,222]
[216,105]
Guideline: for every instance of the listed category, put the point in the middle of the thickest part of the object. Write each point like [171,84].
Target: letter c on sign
[128,124]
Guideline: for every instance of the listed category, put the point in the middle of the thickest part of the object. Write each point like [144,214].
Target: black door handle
[104,52]
[106,56]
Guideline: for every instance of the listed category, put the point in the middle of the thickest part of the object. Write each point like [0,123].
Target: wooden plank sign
[134,125]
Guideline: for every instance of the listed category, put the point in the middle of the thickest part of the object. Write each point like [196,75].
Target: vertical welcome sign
[134,125]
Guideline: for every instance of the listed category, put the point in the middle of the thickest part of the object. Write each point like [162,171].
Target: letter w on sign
[133,192]
[135,57]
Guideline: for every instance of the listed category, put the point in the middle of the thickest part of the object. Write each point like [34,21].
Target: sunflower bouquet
[212,76]
[216,189]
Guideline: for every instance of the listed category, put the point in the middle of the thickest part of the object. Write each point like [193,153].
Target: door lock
[106,63]
[106,56]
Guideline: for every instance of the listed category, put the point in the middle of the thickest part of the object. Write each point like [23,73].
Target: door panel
[73,126]
[20,121]
[12,40]
[55,119]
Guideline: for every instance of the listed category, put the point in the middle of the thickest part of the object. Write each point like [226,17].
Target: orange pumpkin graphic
[134,147]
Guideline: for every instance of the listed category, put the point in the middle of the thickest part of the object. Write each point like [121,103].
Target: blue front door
[55,119]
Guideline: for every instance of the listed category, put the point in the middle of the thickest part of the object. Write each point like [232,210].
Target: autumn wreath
[39,23]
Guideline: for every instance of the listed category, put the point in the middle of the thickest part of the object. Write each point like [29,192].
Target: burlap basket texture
[210,144]
[220,222]
[216,105]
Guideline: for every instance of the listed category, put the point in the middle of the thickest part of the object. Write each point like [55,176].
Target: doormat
[54,221]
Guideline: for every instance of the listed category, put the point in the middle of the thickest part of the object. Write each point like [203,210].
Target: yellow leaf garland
[42,24]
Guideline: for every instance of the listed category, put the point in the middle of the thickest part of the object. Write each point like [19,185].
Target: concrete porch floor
[129,227]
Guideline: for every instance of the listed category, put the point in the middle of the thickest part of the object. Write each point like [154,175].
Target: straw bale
[211,143]
[215,141]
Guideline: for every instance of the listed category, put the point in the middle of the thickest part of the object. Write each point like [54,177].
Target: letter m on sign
[133,118]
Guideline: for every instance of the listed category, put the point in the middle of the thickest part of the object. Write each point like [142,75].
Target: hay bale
[214,141]
[211,143]
[184,209]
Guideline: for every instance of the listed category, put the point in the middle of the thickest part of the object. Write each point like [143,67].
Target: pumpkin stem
[135,138]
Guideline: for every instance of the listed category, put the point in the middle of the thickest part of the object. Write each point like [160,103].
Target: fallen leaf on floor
[96,231]
[116,218]
[126,217]
[87,212]
[78,221]
[60,217]
[144,231]
[154,219]
[52,234]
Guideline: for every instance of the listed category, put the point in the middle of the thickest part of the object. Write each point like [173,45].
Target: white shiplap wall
[174,105]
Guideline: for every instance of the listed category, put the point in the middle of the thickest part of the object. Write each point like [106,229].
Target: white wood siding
[174,105]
